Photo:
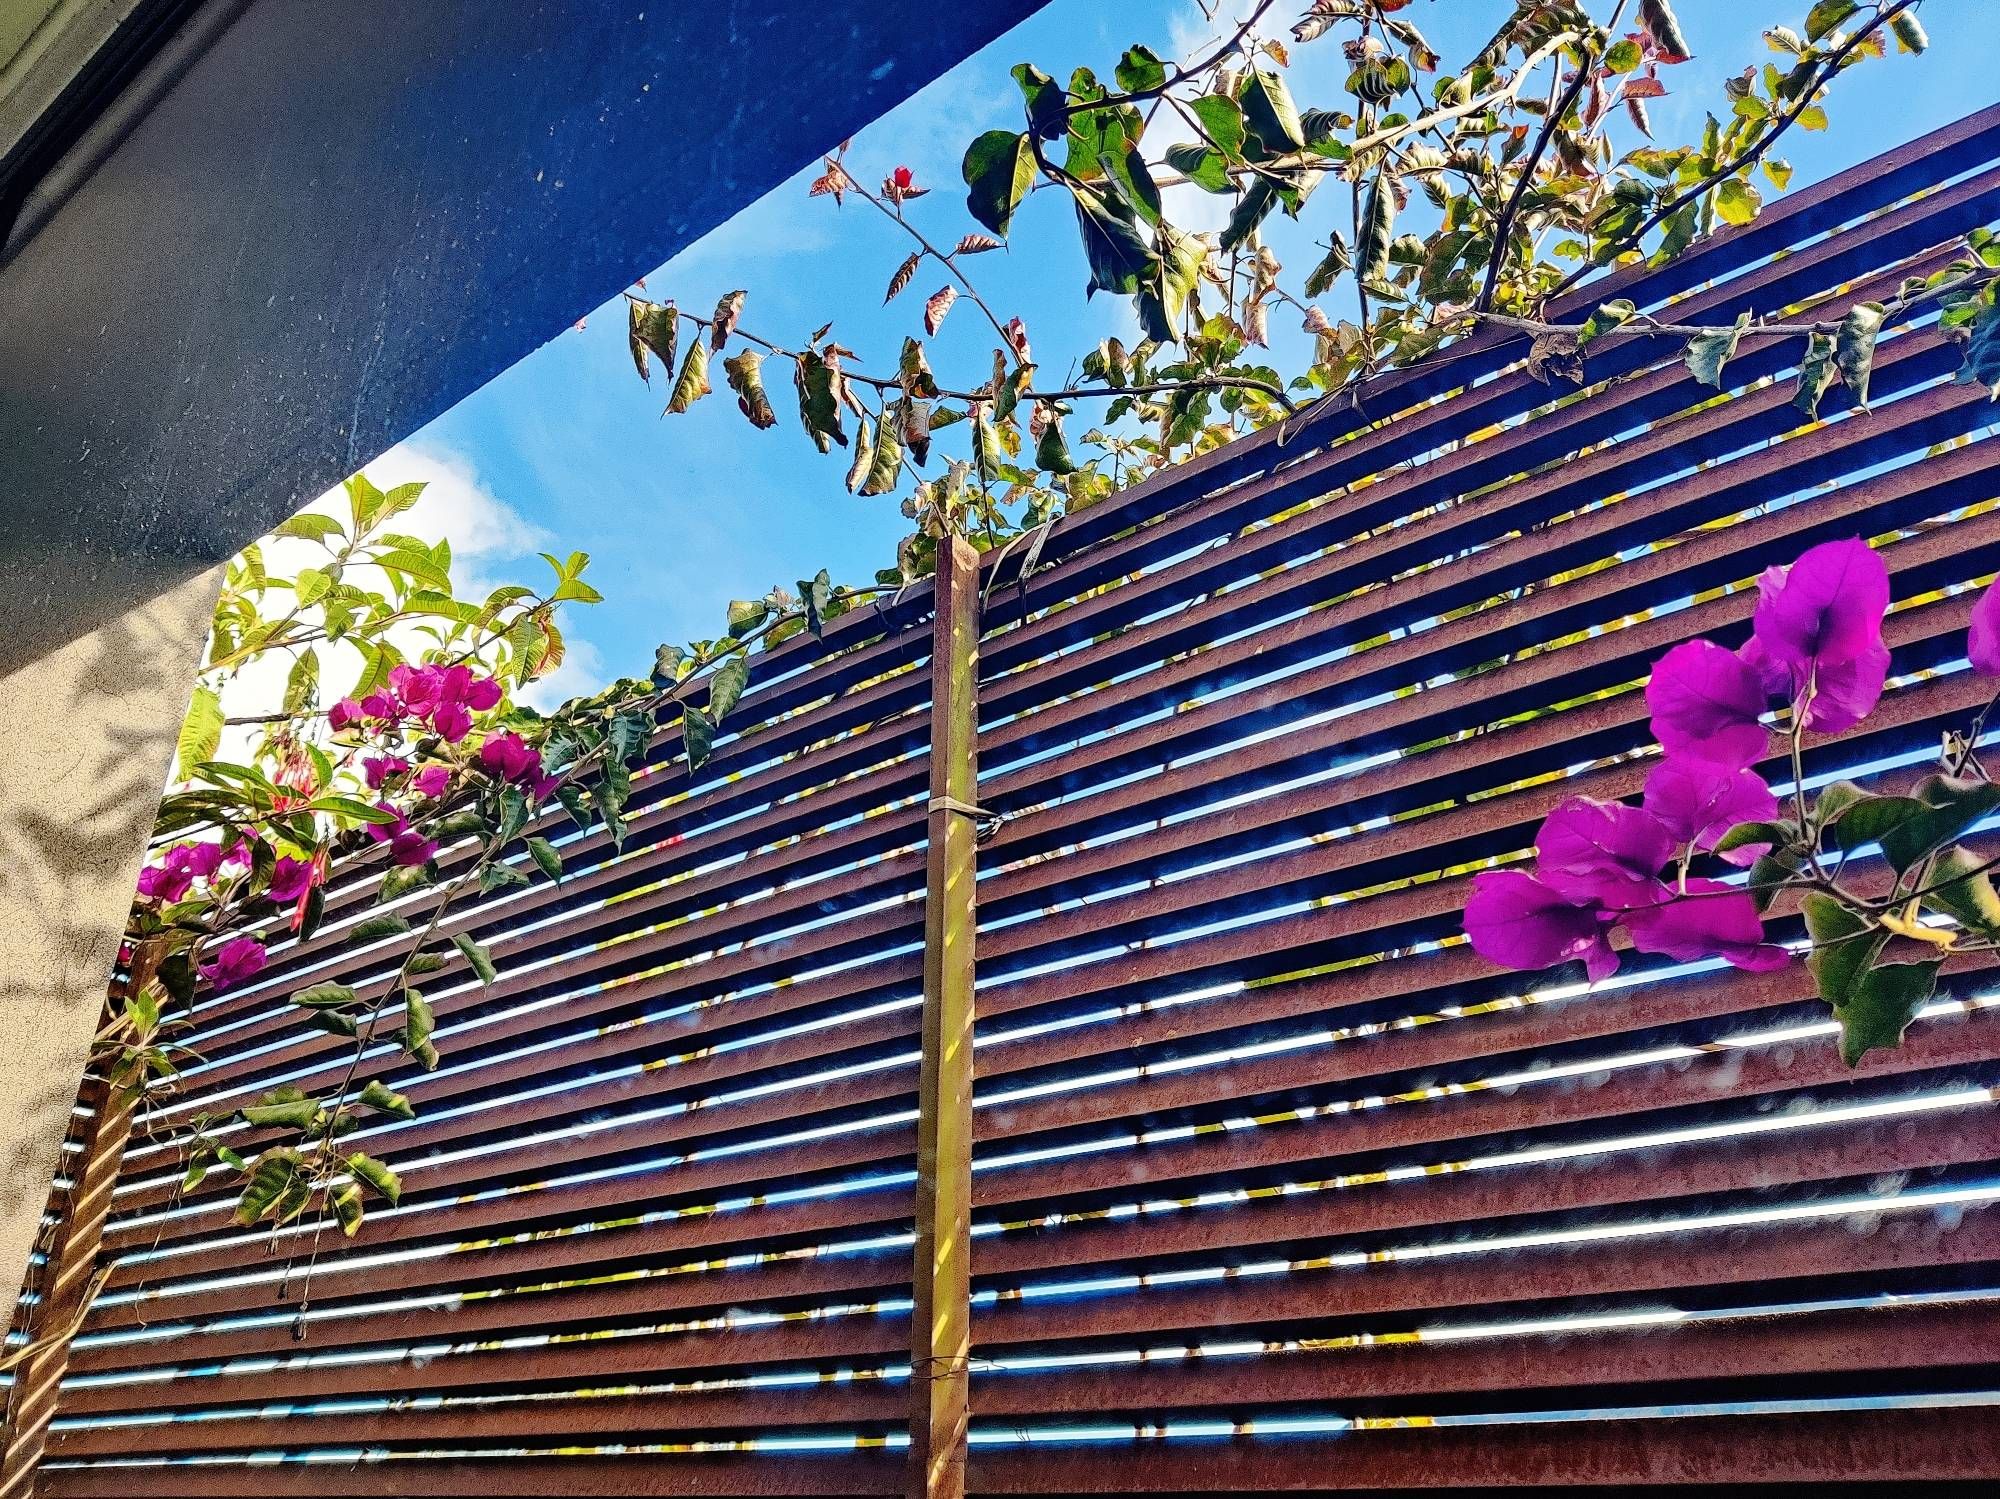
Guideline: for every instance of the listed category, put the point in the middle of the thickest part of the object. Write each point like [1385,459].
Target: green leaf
[1882,1005]
[609,801]
[1270,113]
[292,1114]
[309,525]
[1908,31]
[628,735]
[273,1180]
[1964,890]
[1222,123]
[1707,353]
[1051,452]
[418,1025]
[1329,269]
[311,585]
[725,688]
[1865,818]
[1844,947]
[1206,169]
[819,400]
[1657,16]
[1623,56]
[653,328]
[546,857]
[1252,208]
[697,737]
[380,1097]
[1117,253]
[377,1177]
[745,373]
[499,877]
[1378,228]
[864,455]
[1141,70]
[1776,834]
[1854,347]
[1982,350]
[886,468]
[1609,315]
[328,996]
[1826,15]
[1768,875]
[348,1211]
[1169,282]
[1736,201]
[693,382]
[574,802]
[200,732]
[477,956]
[1816,373]
[352,808]
[999,168]
[1044,100]
[1946,807]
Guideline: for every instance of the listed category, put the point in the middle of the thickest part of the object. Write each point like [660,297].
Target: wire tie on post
[988,821]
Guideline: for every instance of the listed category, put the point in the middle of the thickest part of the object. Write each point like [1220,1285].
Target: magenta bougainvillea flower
[169,880]
[1519,922]
[452,721]
[1707,920]
[406,844]
[236,961]
[510,757]
[184,863]
[1603,853]
[1824,609]
[344,715]
[1982,642]
[1697,803]
[290,878]
[376,769]
[432,780]
[1706,704]
[411,847]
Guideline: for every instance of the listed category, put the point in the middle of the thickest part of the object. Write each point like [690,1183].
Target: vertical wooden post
[941,1320]
[68,1285]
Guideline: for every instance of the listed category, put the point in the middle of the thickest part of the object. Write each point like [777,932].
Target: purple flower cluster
[442,698]
[508,757]
[1816,644]
[407,845]
[184,863]
[237,961]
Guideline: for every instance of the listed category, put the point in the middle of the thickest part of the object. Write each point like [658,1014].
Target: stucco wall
[89,733]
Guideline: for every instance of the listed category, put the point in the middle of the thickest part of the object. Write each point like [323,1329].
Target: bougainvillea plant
[1441,198]
[424,752]
[1693,871]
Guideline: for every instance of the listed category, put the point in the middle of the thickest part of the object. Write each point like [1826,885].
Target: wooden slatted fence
[1274,1184]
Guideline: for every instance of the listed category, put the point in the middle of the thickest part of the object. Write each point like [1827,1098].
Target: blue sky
[568,449]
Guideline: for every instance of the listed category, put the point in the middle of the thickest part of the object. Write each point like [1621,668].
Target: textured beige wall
[86,738]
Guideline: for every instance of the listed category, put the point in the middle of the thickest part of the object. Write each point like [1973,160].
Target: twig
[1503,227]
[1753,154]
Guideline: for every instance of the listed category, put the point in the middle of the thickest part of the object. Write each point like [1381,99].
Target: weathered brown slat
[1884,1339]
[1961,1136]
